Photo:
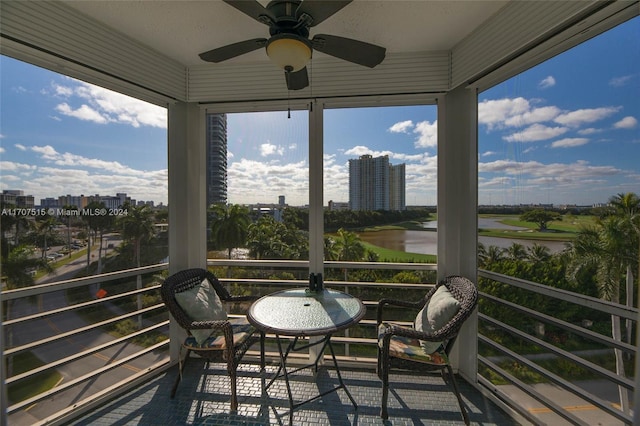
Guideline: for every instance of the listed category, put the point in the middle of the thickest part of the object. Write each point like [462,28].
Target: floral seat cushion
[242,330]
[412,349]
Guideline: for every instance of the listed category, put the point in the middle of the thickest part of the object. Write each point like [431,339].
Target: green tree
[229,226]
[540,217]
[516,252]
[606,249]
[45,234]
[137,227]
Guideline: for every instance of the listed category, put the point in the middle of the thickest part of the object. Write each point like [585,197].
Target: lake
[426,242]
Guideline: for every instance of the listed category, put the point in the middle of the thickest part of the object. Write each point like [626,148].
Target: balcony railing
[72,345]
[546,356]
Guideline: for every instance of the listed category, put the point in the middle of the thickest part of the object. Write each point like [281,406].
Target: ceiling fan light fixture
[289,51]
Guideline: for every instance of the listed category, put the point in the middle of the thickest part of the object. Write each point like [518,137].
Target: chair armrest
[215,325]
[394,302]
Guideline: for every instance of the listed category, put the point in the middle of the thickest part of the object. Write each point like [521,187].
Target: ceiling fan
[289,46]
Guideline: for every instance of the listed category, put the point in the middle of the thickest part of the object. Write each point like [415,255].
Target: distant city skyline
[552,135]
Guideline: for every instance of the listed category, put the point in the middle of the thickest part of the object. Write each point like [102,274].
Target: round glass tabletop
[298,312]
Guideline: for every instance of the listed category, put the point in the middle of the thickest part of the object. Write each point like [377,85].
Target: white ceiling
[181,29]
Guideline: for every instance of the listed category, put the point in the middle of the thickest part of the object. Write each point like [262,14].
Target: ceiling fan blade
[355,51]
[297,80]
[320,10]
[232,50]
[253,9]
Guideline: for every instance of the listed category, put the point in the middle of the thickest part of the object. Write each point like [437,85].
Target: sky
[564,132]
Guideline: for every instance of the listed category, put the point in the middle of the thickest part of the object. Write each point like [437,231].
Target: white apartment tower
[375,184]
[216,158]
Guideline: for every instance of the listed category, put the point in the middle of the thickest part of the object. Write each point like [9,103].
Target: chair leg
[383,373]
[181,365]
[262,363]
[465,416]
[234,393]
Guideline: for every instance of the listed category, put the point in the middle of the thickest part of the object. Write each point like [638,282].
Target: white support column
[316,175]
[457,206]
[316,193]
[187,196]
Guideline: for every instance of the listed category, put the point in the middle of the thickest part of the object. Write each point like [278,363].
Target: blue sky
[566,131]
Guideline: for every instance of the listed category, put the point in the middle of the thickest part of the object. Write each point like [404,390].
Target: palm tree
[516,252]
[627,207]
[16,270]
[538,253]
[229,226]
[137,226]
[349,247]
[44,232]
[604,248]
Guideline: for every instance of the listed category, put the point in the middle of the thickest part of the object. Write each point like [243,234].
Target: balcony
[108,359]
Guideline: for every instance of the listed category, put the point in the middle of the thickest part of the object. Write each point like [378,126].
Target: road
[60,323]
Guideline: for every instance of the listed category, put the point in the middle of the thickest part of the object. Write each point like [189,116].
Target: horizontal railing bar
[259,263]
[333,284]
[87,352]
[579,392]
[626,312]
[64,386]
[330,264]
[63,416]
[76,282]
[561,353]
[530,391]
[592,335]
[505,400]
[60,336]
[79,305]
[327,264]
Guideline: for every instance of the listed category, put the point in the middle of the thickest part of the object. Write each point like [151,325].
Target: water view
[426,242]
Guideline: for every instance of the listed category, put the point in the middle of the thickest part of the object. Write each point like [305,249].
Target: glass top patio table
[299,312]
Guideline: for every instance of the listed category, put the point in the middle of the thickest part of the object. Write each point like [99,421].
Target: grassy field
[564,230]
[35,384]
[387,255]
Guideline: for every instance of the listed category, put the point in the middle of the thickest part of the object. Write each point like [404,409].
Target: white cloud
[488,153]
[20,147]
[494,113]
[1,150]
[589,131]
[49,154]
[620,81]
[587,115]
[569,142]
[267,149]
[536,132]
[85,113]
[104,106]
[575,172]
[1,136]
[626,123]
[535,115]
[427,134]
[10,166]
[547,82]
[401,127]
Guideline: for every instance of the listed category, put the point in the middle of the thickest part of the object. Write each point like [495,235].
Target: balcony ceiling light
[289,51]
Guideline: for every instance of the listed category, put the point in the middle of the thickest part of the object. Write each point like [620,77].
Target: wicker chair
[230,339]
[400,347]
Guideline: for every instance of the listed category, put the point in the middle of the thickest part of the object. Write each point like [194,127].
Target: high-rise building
[216,158]
[397,187]
[375,184]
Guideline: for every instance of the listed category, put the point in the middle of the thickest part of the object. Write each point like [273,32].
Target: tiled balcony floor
[203,399]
